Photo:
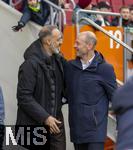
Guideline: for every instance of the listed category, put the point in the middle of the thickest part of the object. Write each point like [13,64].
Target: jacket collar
[45,62]
[98,59]
[59,58]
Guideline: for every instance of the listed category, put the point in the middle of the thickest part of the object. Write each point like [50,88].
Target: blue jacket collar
[98,59]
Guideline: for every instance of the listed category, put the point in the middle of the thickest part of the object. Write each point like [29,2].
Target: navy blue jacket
[2,112]
[38,17]
[122,103]
[88,93]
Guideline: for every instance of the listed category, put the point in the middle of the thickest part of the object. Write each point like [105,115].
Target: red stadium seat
[18,4]
[116,5]
[128,2]
[76,1]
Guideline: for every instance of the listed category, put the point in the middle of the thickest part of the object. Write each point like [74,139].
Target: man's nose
[75,45]
[61,41]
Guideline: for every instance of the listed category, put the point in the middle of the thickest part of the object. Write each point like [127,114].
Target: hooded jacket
[89,92]
[36,87]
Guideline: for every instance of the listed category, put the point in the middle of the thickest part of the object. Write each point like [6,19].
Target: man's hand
[53,124]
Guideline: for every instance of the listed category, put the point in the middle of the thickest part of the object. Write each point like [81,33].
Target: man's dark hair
[103,4]
[46,31]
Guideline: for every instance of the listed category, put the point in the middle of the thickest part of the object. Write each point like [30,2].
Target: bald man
[40,90]
[90,83]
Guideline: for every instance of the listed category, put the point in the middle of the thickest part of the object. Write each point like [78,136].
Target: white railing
[53,7]
[96,12]
[111,128]
[58,9]
[108,34]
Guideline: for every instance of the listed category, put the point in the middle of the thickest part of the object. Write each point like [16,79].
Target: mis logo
[26,136]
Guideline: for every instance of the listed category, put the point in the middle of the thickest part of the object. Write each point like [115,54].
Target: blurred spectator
[95,16]
[2,116]
[131,17]
[99,19]
[64,4]
[82,4]
[35,10]
[95,7]
[61,3]
[17,4]
[104,7]
[125,13]
[122,104]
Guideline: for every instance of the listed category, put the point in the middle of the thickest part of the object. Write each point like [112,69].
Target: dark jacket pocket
[89,120]
[100,111]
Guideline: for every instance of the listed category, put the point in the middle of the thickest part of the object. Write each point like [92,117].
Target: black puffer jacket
[35,87]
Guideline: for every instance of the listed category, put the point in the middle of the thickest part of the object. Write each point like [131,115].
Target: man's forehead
[56,32]
[125,10]
[81,37]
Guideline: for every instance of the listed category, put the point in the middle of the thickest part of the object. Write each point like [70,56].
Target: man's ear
[90,46]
